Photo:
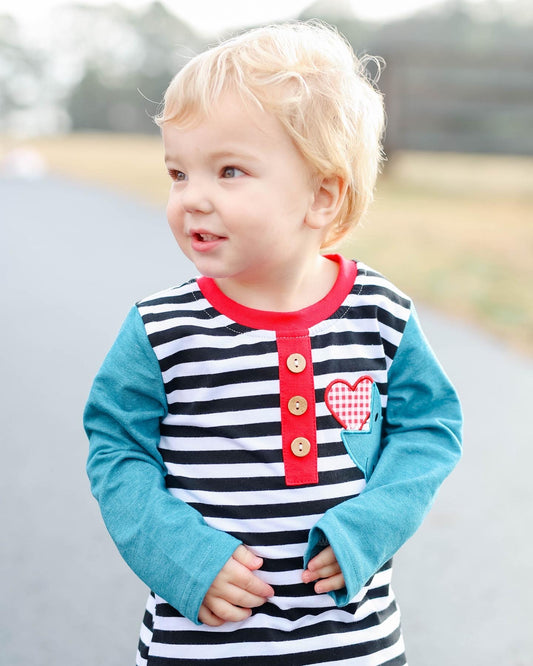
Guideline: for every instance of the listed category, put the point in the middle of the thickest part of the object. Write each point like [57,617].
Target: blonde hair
[308,76]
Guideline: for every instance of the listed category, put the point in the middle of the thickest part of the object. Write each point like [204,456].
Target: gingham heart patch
[351,404]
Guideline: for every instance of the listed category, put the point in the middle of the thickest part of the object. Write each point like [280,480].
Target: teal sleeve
[421,444]
[166,542]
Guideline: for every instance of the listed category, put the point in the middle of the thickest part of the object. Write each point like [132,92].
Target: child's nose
[196,198]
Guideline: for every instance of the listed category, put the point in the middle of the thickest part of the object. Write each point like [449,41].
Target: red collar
[284,321]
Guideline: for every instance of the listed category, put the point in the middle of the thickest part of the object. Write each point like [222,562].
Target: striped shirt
[253,442]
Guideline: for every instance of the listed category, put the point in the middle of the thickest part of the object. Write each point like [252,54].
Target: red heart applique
[350,404]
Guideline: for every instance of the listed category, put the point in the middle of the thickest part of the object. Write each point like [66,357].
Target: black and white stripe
[221,446]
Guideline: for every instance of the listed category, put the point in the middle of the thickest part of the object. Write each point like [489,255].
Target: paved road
[74,258]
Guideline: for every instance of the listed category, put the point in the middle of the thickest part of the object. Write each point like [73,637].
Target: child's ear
[328,199]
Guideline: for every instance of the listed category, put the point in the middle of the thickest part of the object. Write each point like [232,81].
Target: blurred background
[83,235]
[80,82]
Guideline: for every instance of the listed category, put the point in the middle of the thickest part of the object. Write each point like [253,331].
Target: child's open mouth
[205,238]
[202,241]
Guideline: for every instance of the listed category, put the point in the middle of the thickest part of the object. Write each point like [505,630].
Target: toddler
[265,437]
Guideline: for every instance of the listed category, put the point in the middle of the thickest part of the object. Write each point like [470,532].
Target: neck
[297,289]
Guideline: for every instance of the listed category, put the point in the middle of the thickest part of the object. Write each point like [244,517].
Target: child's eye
[231,172]
[177,175]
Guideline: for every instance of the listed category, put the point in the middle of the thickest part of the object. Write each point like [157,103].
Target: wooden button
[297,405]
[296,363]
[300,446]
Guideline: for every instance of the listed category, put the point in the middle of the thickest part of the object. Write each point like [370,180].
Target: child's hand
[325,567]
[235,590]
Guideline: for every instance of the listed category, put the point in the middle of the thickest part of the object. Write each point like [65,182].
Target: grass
[453,231]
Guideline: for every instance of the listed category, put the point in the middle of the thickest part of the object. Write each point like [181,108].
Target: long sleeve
[166,542]
[421,443]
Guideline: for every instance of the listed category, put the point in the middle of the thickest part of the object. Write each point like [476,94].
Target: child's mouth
[203,242]
[205,238]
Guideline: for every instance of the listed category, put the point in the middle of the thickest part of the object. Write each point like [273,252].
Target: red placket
[298,414]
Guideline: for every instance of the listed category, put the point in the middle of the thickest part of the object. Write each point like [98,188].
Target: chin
[211,272]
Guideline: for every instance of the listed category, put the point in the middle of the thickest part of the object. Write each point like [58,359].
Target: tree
[129,60]
[21,74]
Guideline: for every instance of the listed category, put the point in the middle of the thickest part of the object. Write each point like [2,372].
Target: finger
[309,576]
[257,587]
[240,586]
[241,576]
[324,572]
[322,565]
[247,558]
[208,617]
[325,558]
[236,596]
[327,572]
[222,609]
[330,584]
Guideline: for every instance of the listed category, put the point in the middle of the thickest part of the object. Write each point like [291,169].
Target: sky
[212,16]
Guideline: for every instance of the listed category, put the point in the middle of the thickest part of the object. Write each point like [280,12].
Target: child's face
[240,196]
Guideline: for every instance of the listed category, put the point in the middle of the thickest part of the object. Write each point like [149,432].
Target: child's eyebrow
[170,158]
[231,154]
